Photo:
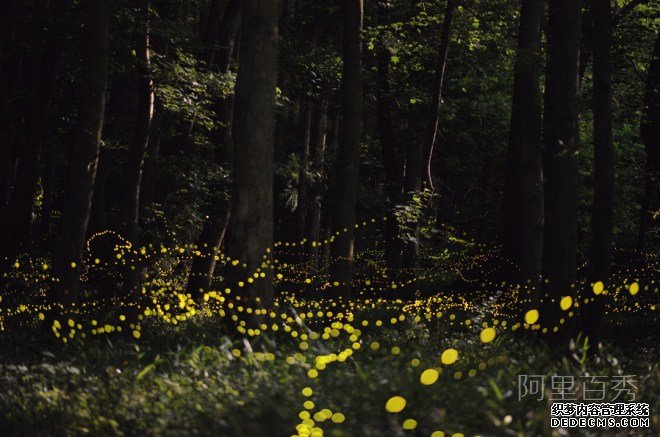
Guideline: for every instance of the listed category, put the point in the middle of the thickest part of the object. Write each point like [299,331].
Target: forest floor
[460,368]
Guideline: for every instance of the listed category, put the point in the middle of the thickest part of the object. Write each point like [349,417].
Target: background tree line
[233,124]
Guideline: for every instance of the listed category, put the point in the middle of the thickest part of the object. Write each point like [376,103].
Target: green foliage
[186,381]
[188,90]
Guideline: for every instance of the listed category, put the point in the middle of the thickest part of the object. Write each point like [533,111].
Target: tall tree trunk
[603,202]
[303,180]
[393,176]
[251,223]
[149,175]
[209,242]
[84,151]
[412,183]
[212,25]
[214,230]
[143,118]
[317,154]
[17,217]
[523,186]
[225,36]
[560,154]
[649,128]
[348,156]
[326,207]
[436,98]
[138,146]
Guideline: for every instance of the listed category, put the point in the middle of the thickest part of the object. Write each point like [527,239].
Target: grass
[190,379]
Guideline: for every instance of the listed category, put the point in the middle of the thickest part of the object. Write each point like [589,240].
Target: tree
[523,186]
[215,227]
[317,157]
[602,212]
[560,153]
[143,116]
[348,155]
[138,146]
[419,156]
[84,151]
[649,129]
[251,222]
[436,96]
[16,226]
[393,171]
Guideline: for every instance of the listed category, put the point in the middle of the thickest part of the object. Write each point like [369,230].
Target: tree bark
[303,180]
[143,118]
[436,97]
[138,146]
[523,186]
[84,151]
[17,216]
[317,154]
[649,128]
[602,212]
[348,156]
[251,223]
[560,154]
[213,232]
[209,242]
[393,174]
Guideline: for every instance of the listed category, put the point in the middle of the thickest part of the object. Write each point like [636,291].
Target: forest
[340,217]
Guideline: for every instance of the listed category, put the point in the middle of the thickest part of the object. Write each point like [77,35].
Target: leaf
[496,389]
[144,371]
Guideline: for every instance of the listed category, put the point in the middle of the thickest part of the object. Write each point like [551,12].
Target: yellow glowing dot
[73,265]
[41,316]
[634,288]
[487,335]
[395,404]
[136,334]
[531,317]
[598,287]
[312,373]
[307,391]
[338,418]
[566,302]
[410,424]
[429,376]
[449,356]
[437,434]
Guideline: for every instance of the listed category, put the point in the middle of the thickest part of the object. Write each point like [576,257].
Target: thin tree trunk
[149,175]
[393,176]
[214,229]
[138,145]
[436,98]
[251,223]
[603,201]
[306,129]
[560,154]
[317,154]
[144,115]
[523,186]
[649,128]
[17,218]
[348,156]
[84,152]
[203,266]
[326,207]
